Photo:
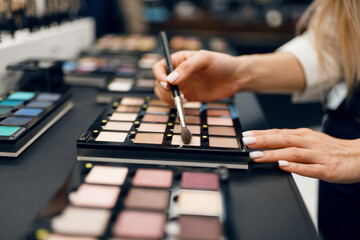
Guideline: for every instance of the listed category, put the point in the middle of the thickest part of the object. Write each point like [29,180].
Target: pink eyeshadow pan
[145,198]
[200,181]
[222,131]
[197,227]
[194,129]
[155,118]
[153,178]
[107,175]
[219,121]
[195,105]
[152,127]
[223,142]
[156,109]
[218,112]
[111,137]
[194,112]
[139,225]
[132,101]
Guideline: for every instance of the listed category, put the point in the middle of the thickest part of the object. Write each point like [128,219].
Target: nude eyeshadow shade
[189,111]
[150,199]
[194,129]
[199,228]
[128,109]
[190,120]
[155,118]
[200,180]
[149,138]
[148,83]
[199,202]
[123,116]
[195,141]
[111,137]
[132,101]
[96,196]
[152,127]
[118,126]
[157,102]
[195,105]
[153,178]
[157,109]
[223,142]
[222,131]
[54,236]
[218,112]
[217,105]
[219,121]
[139,225]
[107,175]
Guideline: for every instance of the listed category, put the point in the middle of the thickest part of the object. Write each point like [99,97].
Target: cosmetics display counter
[265,201]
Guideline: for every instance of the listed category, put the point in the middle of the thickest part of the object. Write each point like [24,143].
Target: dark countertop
[265,201]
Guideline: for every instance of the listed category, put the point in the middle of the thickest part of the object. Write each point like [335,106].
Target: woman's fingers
[163,94]
[291,154]
[307,170]
[298,132]
[274,141]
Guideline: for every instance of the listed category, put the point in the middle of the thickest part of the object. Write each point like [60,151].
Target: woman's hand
[308,153]
[201,75]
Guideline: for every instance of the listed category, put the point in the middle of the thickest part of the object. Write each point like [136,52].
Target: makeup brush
[185,133]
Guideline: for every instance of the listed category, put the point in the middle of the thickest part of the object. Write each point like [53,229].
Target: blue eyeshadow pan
[11,103]
[28,111]
[37,104]
[5,110]
[48,97]
[19,121]
[8,131]
[21,96]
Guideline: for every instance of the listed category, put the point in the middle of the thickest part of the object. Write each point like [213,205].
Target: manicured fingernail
[172,77]
[256,154]
[283,163]
[164,85]
[249,140]
[248,133]
[184,100]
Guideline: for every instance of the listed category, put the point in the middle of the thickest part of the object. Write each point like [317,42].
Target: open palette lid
[133,129]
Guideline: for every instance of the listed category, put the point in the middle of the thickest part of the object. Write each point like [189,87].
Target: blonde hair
[335,25]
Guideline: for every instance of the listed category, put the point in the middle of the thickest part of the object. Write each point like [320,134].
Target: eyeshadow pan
[38,104]
[53,97]
[129,109]
[155,118]
[107,175]
[149,138]
[199,202]
[199,228]
[152,127]
[118,126]
[139,225]
[156,109]
[157,102]
[96,196]
[190,120]
[189,111]
[218,112]
[10,103]
[223,142]
[153,178]
[194,129]
[219,121]
[196,105]
[150,199]
[123,116]
[223,131]
[217,105]
[54,236]
[81,221]
[7,130]
[132,101]
[28,111]
[16,120]
[111,137]
[200,181]
[21,96]
[149,83]
[195,141]
[121,84]
[5,110]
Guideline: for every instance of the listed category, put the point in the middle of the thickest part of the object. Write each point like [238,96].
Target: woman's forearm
[271,73]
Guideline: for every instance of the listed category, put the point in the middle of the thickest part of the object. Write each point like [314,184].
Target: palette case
[25,116]
[134,201]
[212,150]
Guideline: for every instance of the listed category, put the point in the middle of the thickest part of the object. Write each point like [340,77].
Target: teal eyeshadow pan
[8,131]
[5,110]
[21,96]
[38,104]
[28,111]
[18,121]
[11,103]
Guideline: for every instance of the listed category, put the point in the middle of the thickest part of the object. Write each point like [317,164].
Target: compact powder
[189,111]
[155,118]
[119,126]
[196,105]
[153,178]
[200,181]
[21,96]
[129,109]
[219,121]
[96,196]
[157,102]
[10,103]
[199,202]
[120,84]
[190,120]
[16,120]
[195,141]
[149,138]
[223,142]
[194,129]
[7,131]
[5,110]
[52,97]
[218,112]
[156,109]
[132,101]
[150,199]
[199,228]
[54,236]
[217,105]
[139,225]
[222,131]
[107,175]
[148,83]
[111,137]
[152,127]
[38,104]
[123,116]
[28,111]
[81,221]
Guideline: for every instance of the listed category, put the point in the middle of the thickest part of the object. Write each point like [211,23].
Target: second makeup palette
[133,129]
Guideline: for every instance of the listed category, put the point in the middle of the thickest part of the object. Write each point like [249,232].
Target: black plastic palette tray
[28,116]
[89,149]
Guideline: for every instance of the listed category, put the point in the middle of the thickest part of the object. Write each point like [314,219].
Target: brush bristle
[186,135]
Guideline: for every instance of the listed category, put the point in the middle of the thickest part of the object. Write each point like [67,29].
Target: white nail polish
[256,154]
[164,85]
[283,163]
[249,140]
[172,77]
[248,133]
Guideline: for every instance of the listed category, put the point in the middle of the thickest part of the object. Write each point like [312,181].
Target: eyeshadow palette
[24,116]
[132,129]
[126,201]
